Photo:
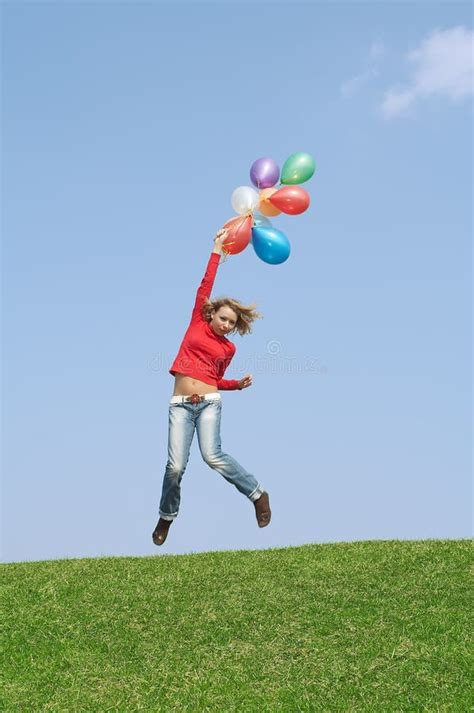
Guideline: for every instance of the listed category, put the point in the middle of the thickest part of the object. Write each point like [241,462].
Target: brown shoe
[160,532]
[262,510]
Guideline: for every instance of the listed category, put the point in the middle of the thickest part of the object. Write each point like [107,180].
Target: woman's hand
[245,382]
[221,235]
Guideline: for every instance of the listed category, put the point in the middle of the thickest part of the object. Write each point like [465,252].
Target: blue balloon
[261,221]
[271,245]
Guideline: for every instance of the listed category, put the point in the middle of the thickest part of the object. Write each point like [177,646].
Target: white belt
[189,399]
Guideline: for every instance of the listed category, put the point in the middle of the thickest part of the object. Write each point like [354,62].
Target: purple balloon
[264,173]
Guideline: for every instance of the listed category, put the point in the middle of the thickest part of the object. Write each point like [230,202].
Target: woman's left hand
[219,239]
[245,382]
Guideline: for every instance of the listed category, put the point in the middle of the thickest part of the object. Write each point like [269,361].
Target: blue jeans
[205,418]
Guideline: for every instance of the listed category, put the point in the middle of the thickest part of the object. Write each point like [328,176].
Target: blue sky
[126,127]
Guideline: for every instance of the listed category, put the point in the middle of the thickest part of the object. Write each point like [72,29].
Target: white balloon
[245,199]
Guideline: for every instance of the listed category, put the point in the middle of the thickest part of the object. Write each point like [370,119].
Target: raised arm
[205,288]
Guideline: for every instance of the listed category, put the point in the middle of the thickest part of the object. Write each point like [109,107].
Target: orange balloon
[265,207]
[239,234]
[291,199]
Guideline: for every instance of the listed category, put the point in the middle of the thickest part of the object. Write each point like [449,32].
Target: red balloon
[239,234]
[290,199]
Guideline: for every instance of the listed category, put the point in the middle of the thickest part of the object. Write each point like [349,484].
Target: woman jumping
[199,367]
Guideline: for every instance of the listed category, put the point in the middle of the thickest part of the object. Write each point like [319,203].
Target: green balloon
[298,168]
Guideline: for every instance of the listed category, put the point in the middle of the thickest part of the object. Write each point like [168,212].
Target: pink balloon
[239,234]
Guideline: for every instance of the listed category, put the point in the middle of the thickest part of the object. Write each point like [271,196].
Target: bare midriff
[187,386]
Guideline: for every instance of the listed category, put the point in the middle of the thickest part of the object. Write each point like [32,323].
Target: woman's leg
[180,435]
[208,426]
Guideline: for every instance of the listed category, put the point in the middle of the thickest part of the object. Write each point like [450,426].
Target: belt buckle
[195,399]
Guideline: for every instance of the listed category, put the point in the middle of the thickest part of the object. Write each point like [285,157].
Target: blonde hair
[246,314]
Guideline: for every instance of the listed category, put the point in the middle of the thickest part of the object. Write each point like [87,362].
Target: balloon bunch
[255,207]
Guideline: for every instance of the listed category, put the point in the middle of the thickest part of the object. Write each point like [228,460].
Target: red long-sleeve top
[203,354]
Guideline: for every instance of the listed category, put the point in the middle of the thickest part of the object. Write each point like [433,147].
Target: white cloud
[441,66]
[352,86]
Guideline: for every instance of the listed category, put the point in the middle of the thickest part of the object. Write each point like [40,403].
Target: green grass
[363,626]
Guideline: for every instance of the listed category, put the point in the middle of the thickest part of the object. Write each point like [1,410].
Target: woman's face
[223,321]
